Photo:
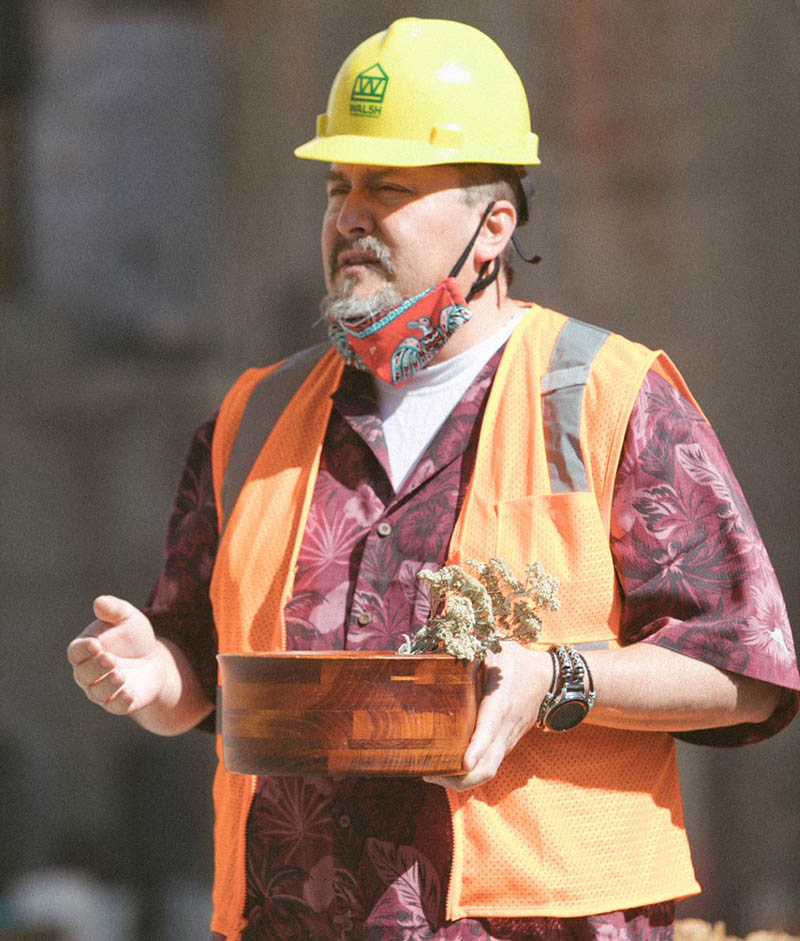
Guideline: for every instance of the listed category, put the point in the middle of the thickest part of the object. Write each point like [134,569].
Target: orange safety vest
[575,824]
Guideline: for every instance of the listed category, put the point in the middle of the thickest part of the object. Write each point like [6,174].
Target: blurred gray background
[157,236]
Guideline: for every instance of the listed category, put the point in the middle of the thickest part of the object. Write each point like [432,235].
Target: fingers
[484,754]
[110,612]
[104,688]
[514,683]
[94,666]
[89,660]
[489,742]
[120,628]
[115,660]
[488,728]
[86,652]
[483,770]
[83,648]
[97,673]
[113,610]
[91,665]
[111,693]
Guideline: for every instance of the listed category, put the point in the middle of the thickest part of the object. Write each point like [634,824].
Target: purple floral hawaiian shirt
[370,857]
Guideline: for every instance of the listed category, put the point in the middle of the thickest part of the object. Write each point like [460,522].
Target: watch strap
[571,694]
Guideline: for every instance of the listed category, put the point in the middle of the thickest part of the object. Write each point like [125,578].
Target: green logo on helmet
[368,90]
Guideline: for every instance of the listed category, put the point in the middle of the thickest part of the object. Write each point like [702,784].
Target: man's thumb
[112,610]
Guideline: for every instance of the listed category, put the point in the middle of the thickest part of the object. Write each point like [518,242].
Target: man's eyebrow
[380,173]
[373,176]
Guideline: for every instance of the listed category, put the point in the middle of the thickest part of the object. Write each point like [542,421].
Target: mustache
[368,244]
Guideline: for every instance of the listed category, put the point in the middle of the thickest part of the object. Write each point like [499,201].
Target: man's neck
[489,312]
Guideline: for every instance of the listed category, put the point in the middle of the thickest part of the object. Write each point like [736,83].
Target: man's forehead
[369,173]
[344,171]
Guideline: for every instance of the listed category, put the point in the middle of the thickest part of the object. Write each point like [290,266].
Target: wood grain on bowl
[353,712]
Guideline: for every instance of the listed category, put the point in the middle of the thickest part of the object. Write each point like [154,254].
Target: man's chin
[356,303]
[361,282]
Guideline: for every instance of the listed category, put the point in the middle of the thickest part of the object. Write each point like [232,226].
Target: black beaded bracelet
[550,695]
[590,693]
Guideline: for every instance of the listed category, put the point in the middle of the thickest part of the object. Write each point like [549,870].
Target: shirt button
[344,821]
[384,528]
[364,618]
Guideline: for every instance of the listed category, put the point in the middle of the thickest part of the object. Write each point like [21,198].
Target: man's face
[392,231]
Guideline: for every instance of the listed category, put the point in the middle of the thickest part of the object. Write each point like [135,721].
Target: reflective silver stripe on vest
[593,645]
[562,403]
[264,407]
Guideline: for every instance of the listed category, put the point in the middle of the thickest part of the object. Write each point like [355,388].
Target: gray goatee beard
[342,305]
[355,310]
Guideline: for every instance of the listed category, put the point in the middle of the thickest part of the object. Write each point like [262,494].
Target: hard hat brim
[393,152]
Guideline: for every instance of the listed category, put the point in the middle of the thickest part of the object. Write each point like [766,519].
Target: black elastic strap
[533,260]
[465,254]
[484,280]
[526,184]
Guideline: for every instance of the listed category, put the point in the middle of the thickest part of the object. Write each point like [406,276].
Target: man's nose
[355,217]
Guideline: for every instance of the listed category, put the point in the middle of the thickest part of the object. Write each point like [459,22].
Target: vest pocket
[565,532]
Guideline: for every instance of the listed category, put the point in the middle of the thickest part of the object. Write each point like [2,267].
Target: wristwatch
[571,694]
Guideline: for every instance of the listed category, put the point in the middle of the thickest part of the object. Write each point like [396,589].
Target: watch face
[566,715]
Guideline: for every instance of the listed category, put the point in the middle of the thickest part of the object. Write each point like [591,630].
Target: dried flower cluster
[471,614]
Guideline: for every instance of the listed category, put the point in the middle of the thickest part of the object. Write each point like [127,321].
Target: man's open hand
[117,660]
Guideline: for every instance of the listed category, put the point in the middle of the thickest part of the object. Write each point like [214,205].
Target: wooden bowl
[354,712]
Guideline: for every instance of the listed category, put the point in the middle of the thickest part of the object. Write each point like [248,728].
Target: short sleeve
[693,569]
[180,606]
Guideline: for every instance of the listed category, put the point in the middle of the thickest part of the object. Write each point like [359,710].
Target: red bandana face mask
[396,343]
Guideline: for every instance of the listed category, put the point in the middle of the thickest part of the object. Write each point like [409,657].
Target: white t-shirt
[414,413]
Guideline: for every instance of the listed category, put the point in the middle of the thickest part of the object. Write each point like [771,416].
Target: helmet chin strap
[490,270]
[533,260]
[526,184]
[483,280]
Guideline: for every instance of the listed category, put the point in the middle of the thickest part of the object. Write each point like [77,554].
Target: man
[449,421]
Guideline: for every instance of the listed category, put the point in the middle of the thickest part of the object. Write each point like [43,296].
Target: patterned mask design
[395,344]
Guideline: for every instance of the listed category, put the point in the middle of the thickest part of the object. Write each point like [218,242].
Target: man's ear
[495,233]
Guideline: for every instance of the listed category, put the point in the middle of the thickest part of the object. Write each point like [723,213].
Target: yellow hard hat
[425,92]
